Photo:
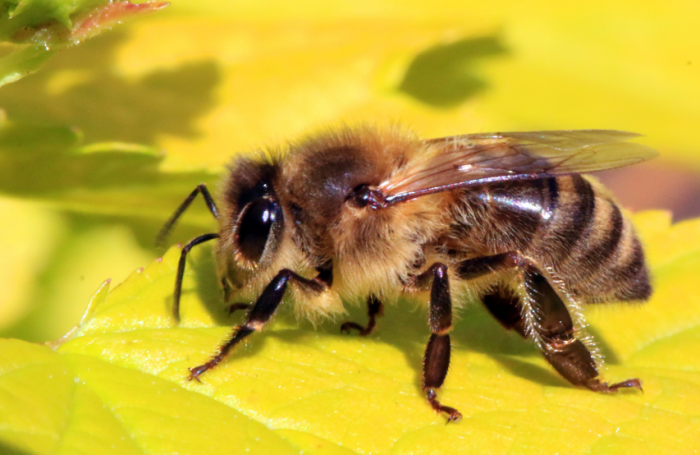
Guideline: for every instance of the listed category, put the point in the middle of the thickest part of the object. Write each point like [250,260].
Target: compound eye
[254,227]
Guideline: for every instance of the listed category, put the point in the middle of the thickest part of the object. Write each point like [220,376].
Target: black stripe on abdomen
[632,275]
[580,223]
[596,256]
[570,214]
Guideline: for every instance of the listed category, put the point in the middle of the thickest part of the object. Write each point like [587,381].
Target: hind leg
[552,326]
[548,323]
[505,307]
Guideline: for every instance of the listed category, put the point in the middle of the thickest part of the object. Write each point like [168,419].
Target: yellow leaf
[293,387]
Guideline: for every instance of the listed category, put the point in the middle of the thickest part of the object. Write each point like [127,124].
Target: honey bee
[373,214]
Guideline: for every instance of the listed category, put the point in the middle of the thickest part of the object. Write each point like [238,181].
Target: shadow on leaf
[82,86]
[10,450]
[543,376]
[443,76]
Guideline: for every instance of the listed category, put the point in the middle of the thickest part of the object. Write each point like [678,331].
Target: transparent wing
[474,159]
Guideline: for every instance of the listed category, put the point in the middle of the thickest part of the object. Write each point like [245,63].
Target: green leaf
[117,383]
[23,61]
[17,16]
[41,27]
[48,269]
[48,163]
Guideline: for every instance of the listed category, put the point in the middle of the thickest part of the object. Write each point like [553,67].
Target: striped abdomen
[567,223]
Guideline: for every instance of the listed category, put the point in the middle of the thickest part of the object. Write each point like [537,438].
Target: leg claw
[346,328]
[453,415]
[598,386]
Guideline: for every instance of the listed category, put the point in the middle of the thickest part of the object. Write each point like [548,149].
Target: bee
[373,214]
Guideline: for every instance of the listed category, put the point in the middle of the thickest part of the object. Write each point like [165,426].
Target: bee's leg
[374,305]
[552,327]
[478,267]
[551,323]
[259,314]
[233,307]
[374,309]
[505,306]
[226,286]
[181,270]
[201,188]
[437,353]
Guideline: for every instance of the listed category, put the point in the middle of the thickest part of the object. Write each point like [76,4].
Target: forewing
[474,159]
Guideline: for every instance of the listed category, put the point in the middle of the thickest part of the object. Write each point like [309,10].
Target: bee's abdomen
[591,245]
[567,224]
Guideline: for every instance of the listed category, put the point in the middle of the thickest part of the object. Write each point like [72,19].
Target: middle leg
[437,353]
[374,309]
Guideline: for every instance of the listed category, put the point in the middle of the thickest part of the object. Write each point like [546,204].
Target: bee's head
[252,222]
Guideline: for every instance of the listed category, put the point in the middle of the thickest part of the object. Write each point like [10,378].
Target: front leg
[259,314]
[437,353]
[181,270]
